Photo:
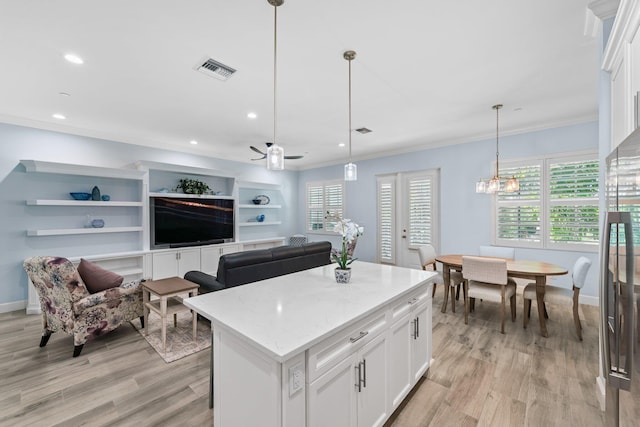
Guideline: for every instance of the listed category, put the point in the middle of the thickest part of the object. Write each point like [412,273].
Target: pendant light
[275,153]
[492,185]
[350,169]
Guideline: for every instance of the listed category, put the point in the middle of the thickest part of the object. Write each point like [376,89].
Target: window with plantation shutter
[420,191]
[573,202]
[556,206]
[323,197]
[386,219]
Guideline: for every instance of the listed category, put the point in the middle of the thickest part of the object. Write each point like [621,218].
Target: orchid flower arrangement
[349,231]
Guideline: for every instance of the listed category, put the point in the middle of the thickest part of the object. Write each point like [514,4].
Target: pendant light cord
[349,110]
[275,56]
[497,107]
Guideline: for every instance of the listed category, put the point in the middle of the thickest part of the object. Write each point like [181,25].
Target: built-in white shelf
[84,170]
[191,170]
[67,231]
[43,202]
[256,223]
[247,206]
[258,185]
[190,196]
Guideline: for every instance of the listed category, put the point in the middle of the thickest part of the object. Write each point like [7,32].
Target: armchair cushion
[96,278]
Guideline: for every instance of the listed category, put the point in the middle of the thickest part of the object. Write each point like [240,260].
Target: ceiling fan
[264,154]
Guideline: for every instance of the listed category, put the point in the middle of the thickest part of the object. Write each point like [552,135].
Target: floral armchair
[68,306]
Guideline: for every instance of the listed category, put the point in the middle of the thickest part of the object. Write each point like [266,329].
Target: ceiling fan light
[350,172]
[275,158]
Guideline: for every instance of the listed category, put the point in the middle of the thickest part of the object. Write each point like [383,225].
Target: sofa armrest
[112,295]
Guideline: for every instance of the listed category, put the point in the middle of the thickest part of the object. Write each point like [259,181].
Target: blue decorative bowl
[81,196]
[97,223]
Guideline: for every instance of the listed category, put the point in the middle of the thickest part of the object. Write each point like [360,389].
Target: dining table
[523,269]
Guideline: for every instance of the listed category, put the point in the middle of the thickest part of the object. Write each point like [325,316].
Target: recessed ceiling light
[58,116]
[193,142]
[74,59]
[252,115]
[341,144]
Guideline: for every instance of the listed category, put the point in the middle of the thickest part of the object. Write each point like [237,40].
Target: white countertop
[288,314]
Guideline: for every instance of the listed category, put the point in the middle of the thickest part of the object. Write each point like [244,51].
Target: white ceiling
[426,74]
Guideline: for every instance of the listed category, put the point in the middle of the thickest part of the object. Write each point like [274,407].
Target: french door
[408,207]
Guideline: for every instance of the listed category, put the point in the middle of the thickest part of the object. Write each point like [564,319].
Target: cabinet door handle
[415,329]
[417,326]
[358,383]
[364,373]
[362,335]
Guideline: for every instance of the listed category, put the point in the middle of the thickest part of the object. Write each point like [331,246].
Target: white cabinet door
[188,259]
[165,264]
[619,109]
[210,256]
[373,405]
[400,352]
[175,263]
[332,397]
[421,340]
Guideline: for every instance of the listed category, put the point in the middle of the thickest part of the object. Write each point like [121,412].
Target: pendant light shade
[275,153]
[350,169]
[493,185]
[275,158]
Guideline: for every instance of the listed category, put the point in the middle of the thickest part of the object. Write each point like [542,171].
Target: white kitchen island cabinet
[303,350]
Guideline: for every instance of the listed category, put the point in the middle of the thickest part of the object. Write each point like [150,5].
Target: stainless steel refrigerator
[620,285]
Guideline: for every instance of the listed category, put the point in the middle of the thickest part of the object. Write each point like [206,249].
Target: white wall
[15,186]
[465,217]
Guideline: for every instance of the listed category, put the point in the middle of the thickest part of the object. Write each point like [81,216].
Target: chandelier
[492,185]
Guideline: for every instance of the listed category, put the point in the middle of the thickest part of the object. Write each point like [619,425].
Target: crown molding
[604,9]
[624,30]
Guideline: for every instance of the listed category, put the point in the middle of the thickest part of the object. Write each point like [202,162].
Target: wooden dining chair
[560,295]
[427,255]
[486,279]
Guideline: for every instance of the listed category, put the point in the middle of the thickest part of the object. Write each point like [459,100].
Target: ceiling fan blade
[293,157]
[261,158]
[257,151]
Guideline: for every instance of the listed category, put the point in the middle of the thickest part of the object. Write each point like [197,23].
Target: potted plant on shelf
[193,186]
[350,232]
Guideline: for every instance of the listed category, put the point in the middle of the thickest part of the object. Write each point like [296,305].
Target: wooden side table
[167,290]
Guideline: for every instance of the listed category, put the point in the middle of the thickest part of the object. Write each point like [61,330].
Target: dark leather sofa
[251,266]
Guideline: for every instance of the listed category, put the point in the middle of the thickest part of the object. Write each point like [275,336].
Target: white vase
[343,275]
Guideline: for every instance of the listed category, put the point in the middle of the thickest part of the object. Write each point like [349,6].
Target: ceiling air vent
[363,130]
[213,68]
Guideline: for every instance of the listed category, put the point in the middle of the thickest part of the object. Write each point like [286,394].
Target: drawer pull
[362,334]
[412,301]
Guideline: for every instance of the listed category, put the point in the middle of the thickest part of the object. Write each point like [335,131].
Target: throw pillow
[96,278]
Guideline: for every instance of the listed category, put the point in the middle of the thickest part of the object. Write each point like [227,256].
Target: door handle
[358,383]
[364,373]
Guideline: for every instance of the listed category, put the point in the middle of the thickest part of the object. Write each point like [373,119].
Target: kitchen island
[302,350]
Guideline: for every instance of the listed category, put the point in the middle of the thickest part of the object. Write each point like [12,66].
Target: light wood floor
[479,376]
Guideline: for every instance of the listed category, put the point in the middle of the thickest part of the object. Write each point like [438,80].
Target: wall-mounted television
[179,222]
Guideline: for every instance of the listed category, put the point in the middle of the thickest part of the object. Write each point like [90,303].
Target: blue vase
[95,193]
[260,218]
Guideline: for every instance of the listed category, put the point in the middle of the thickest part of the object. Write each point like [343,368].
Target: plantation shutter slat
[420,213]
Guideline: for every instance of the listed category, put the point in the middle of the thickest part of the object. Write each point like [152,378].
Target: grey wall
[16,186]
[465,217]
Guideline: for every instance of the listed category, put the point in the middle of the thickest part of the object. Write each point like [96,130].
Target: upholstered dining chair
[427,255]
[560,295]
[498,252]
[486,279]
[68,306]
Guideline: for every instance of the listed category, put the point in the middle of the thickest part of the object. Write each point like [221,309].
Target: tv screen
[179,222]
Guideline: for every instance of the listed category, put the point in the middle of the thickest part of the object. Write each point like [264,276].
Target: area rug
[180,342]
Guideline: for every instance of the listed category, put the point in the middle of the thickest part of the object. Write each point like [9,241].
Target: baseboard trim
[13,306]
[601,392]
